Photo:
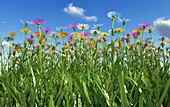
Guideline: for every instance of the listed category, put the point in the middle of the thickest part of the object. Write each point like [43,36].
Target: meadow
[84,70]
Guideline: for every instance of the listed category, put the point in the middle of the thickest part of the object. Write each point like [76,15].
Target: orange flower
[116,48]
[167,41]
[18,48]
[12,34]
[91,44]
[38,33]
[131,45]
[67,47]
[63,34]
[47,59]
[140,41]
[138,30]
[72,42]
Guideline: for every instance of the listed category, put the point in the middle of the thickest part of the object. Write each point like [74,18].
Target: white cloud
[79,12]
[162,26]
[74,11]
[90,18]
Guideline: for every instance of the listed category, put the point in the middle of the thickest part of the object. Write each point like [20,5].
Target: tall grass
[132,75]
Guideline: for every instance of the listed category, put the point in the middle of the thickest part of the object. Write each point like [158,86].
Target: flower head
[63,34]
[144,25]
[38,33]
[119,43]
[38,21]
[76,34]
[113,15]
[97,26]
[133,34]
[85,33]
[61,28]
[73,26]
[119,30]
[47,30]
[8,38]
[94,31]
[123,20]
[12,34]
[24,30]
[138,30]
[81,26]
[30,41]
[104,34]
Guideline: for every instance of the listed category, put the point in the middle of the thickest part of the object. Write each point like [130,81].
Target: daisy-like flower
[47,30]
[12,34]
[18,48]
[102,38]
[73,26]
[38,33]
[123,21]
[97,26]
[127,37]
[76,33]
[85,33]
[61,29]
[8,38]
[94,31]
[30,41]
[119,30]
[119,43]
[104,34]
[144,25]
[24,30]
[38,21]
[25,22]
[63,34]
[113,15]
[82,27]
[138,30]
[133,34]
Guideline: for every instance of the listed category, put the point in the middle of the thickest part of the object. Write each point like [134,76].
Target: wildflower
[104,34]
[123,21]
[119,43]
[82,27]
[67,47]
[30,41]
[85,33]
[116,48]
[101,55]
[25,22]
[144,25]
[47,58]
[94,32]
[12,34]
[38,33]
[97,26]
[131,45]
[24,30]
[167,41]
[76,33]
[138,30]
[102,38]
[134,34]
[61,29]
[47,30]
[38,21]
[63,34]
[119,30]
[91,44]
[127,38]
[72,26]
[113,15]
[140,41]
[83,37]
[73,42]
[18,48]
[8,38]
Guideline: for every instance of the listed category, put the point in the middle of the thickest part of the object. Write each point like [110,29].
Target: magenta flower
[72,26]
[38,21]
[101,55]
[133,34]
[48,30]
[85,33]
[144,25]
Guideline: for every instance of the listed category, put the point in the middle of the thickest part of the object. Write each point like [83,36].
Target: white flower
[81,26]
[94,31]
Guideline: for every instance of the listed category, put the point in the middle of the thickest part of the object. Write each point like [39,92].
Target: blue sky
[139,11]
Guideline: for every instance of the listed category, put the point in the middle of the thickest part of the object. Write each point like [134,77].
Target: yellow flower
[119,43]
[140,41]
[24,30]
[104,34]
[63,34]
[76,33]
[12,34]
[119,30]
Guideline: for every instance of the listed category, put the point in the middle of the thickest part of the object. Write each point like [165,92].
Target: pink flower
[72,26]
[38,21]
[144,24]
[85,33]
[133,34]
[47,29]
[101,55]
